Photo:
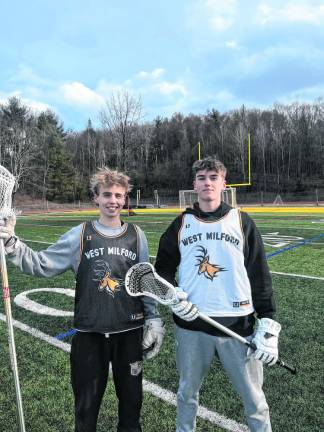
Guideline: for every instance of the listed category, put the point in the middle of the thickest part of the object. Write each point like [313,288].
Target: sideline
[260,209]
[154,389]
[297,275]
[166,210]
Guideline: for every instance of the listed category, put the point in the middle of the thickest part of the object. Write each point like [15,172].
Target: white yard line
[37,225]
[204,413]
[154,389]
[38,334]
[273,272]
[36,241]
[290,228]
[283,274]
[298,275]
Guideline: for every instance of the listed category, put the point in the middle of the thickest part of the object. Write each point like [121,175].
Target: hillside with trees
[51,163]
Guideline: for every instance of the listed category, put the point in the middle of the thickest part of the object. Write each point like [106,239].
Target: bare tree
[261,138]
[239,136]
[121,114]
[18,132]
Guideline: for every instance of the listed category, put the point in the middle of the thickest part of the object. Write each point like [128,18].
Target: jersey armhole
[138,238]
[241,226]
[81,240]
[180,228]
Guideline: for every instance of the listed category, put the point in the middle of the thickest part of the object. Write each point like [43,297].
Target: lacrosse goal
[187,198]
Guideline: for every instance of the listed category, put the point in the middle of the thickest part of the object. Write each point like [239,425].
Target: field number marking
[277,240]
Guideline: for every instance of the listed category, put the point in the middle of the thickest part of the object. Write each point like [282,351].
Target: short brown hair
[209,163]
[107,177]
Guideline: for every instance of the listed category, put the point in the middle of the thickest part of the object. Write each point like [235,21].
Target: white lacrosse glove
[7,228]
[266,340]
[184,309]
[153,337]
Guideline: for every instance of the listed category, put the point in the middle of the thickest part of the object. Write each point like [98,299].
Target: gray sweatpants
[195,352]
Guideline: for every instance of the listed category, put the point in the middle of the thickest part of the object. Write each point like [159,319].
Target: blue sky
[177,55]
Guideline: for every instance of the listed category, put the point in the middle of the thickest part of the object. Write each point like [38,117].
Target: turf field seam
[154,389]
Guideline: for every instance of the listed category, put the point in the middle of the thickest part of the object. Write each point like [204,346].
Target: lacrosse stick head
[7,183]
[142,280]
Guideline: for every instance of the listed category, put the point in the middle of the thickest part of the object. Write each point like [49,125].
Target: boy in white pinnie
[223,272]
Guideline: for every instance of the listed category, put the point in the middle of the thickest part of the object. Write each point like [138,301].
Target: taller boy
[223,271]
[108,321]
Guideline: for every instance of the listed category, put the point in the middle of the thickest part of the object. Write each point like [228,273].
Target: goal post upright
[138,197]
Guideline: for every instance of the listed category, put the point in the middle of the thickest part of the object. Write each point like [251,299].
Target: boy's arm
[168,256]
[57,258]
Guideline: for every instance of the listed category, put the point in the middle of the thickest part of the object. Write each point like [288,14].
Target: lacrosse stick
[7,182]
[142,280]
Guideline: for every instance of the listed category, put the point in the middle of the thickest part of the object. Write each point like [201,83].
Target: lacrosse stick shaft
[12,347]
[242,340]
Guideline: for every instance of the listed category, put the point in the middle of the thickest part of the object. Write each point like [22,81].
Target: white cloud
[221,14]
[37,106]
[76,93]
[105,89]
[221,6]
[206,17]
[225,96]
[231,44]
[169,88]
[309,94]
[155,74]
[34,105]
[26,74]
[254,64]
[220,23]
[291,12]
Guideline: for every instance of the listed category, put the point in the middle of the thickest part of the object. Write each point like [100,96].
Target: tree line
[49,162]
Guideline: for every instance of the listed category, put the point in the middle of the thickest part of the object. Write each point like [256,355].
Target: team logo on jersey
[209,270]
[103,275]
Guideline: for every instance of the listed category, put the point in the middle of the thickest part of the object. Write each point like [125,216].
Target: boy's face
[209,185]
[110,200]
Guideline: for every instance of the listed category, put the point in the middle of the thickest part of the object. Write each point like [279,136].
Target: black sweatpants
[90,357]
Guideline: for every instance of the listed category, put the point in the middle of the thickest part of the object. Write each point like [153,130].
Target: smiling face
[110,200]
[209,185]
